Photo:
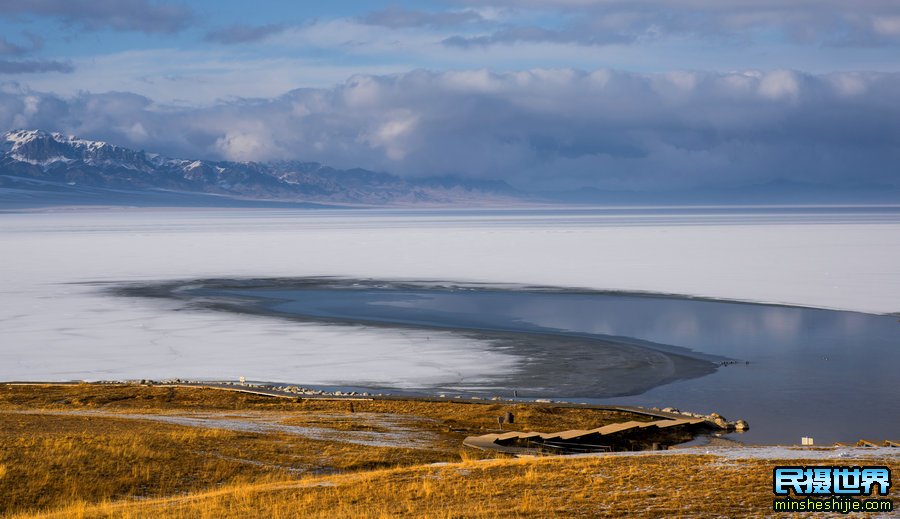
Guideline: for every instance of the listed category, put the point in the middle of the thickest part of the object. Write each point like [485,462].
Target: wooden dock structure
[606,438]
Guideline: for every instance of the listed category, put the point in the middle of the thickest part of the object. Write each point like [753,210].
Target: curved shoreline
[581,346]
[550,363]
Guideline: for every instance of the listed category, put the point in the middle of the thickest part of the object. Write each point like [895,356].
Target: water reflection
[800,372]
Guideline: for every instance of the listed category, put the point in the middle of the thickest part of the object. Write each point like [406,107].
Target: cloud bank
[539,128]
[241,33]
[600,22]
[120,15]
[398,17]
[34,66]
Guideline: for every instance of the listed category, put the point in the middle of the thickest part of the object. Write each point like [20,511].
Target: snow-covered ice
[52,327]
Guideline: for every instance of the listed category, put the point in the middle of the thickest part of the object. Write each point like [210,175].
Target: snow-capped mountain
[34,160]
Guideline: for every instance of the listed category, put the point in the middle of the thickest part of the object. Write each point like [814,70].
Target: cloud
[120,15]
[11,49]
[324,52]
[534,34]
[398,17]
[34,66]
[8,48]
[601,22]
[540,128]
[241,33]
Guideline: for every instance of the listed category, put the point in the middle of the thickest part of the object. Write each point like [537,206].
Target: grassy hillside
[119,451]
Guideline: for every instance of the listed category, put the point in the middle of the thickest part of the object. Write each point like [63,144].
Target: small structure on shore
[869,443]
[625,436]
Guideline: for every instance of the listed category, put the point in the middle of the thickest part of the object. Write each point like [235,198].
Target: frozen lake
[773,360]
[58,324]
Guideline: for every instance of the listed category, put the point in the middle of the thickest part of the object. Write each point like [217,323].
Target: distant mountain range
[41,166]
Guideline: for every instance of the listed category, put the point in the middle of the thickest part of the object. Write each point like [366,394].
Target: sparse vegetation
[59,458]
[461,416]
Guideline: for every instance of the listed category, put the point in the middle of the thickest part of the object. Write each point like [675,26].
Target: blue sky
[617,94]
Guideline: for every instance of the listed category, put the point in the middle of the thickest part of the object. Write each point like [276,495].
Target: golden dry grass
[130,397]
[462,416]
[69,455]
[59,460]
[49,460]
[612,486]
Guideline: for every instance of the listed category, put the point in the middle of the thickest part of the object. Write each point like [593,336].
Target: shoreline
[702,425]
[711,442]
[594,366]
[591,364]
[271,391]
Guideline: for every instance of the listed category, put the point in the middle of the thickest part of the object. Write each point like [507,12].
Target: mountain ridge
[42,169]
[58,160]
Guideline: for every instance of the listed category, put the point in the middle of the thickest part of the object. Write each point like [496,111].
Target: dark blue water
[795,371]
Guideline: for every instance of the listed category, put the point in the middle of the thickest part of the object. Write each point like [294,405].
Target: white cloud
[849,84]
[256,143]
[393,134]
[780,84]
[31,105]
[887,25]
[136,132]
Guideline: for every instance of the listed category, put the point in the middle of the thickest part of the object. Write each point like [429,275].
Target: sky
[641,95]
